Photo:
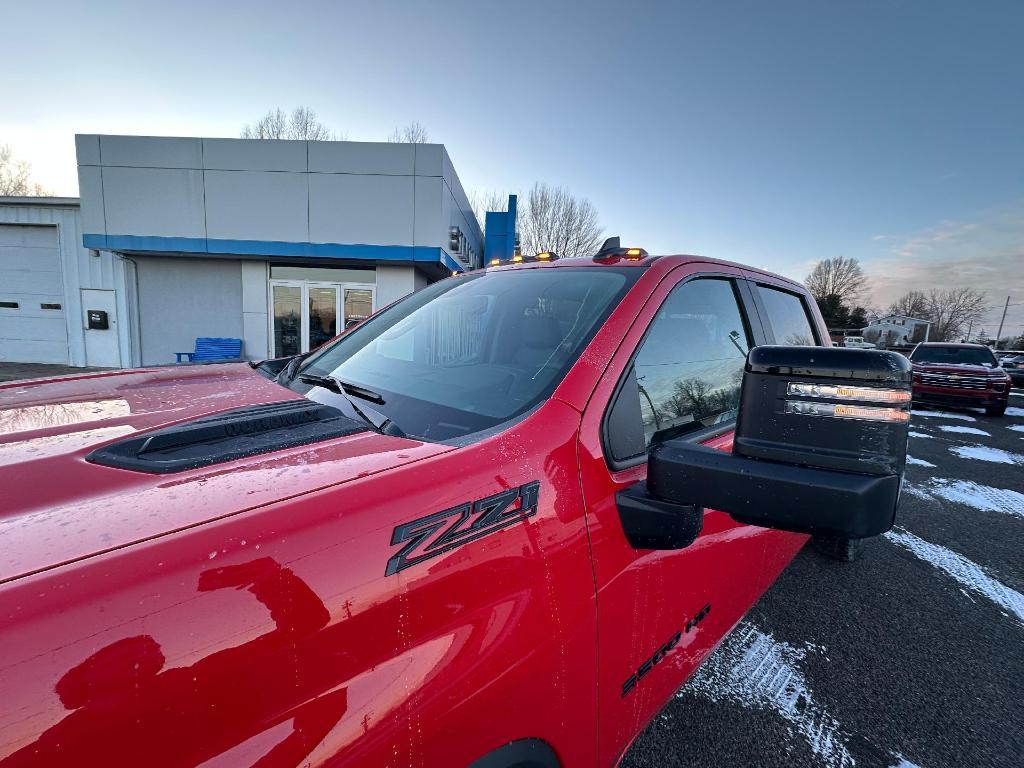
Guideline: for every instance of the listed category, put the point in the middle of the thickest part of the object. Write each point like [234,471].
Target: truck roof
[952,345]
[666,261]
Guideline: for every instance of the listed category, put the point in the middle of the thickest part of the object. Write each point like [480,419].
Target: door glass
[323,315]
[688,369]
[287,320]
[358,305]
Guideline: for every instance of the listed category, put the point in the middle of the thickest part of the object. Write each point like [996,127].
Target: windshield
[954,356]
[469,353]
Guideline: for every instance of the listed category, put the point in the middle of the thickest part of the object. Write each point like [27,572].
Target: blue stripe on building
[361,252]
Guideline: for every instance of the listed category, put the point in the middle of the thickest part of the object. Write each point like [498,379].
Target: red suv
[965,375]
[497,523]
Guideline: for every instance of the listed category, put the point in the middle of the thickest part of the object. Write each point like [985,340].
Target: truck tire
[525,753]
[995,410]
[839,548]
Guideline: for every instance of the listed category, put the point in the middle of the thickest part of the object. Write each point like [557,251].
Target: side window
[687,372]
[788,317]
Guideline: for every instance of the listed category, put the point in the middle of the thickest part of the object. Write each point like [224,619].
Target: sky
[773,134]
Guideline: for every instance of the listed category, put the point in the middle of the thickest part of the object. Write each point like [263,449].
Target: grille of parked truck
[497,523]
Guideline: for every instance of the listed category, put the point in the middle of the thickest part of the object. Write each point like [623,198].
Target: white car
[857,342]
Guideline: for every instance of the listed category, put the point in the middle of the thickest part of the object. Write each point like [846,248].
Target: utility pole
[1001,321]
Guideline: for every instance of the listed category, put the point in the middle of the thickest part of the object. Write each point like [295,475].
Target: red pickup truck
[964,375]
[496,524]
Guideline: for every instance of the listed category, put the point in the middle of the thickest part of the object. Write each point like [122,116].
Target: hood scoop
[226,436]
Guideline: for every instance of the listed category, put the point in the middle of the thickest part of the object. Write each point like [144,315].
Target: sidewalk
[17,371]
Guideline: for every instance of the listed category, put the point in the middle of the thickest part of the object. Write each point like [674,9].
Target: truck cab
[498,523]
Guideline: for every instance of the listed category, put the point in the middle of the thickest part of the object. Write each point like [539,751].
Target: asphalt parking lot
[912,656]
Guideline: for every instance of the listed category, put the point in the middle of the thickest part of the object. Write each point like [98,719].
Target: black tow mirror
[820,445]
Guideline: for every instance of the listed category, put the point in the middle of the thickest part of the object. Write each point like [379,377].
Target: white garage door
[32,327]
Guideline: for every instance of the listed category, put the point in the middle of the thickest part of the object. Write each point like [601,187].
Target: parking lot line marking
[947,415]
[979,496]
[964,430]
[985,453]
[967,573]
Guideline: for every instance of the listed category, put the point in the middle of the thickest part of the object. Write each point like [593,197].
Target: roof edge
[40,200]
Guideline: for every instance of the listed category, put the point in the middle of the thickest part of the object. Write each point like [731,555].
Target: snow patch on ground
[967,573]
[918,462]
[1014,411]
[948,415]
[757,671]
[984,453]
[981,497]
[964,430]
[919,434]
[1016,427]
[902,762]
[916,490]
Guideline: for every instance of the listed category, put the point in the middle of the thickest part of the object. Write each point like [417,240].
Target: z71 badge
[442,531]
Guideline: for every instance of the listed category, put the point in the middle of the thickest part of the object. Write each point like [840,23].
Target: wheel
[995,410]
[839,548]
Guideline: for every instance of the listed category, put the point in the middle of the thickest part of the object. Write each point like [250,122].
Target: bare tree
[911,304]
[301,124]
[839,276]
[552,219]
[482,202]
[951,310]
[15,176]
[413,133]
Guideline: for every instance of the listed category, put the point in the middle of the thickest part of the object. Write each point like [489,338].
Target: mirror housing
[820,445]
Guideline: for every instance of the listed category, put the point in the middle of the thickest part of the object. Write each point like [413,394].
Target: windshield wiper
[288,372]
[377,420]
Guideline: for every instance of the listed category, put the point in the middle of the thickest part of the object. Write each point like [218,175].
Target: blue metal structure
[500,233]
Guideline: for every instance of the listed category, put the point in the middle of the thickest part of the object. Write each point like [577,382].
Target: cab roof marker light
[495,262]
[517,259]
[839,392]
[840,411]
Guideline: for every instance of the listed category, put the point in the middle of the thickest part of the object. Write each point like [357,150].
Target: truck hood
[964,368]
[56,507]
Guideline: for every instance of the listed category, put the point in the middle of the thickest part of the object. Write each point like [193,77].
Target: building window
[323,274]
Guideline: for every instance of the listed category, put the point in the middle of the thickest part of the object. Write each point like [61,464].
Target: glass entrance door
[322,307]
[287,319]
[307,314]
[358,305]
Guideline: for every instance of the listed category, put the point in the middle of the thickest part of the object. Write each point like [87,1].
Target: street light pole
[1001,321]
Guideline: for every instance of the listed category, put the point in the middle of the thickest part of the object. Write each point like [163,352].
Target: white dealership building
[276,243]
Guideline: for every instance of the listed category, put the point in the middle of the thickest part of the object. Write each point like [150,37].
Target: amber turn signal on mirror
[840,411]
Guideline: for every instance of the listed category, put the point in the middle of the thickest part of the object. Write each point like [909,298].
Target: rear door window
[787,316]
